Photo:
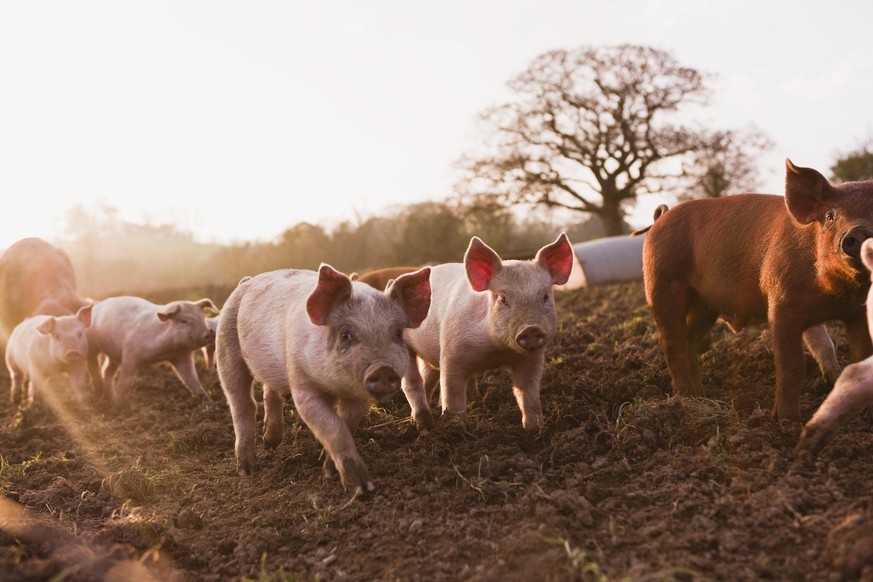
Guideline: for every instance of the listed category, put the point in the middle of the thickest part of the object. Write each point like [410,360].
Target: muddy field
[624,482]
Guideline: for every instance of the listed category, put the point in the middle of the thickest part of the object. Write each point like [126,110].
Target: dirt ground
[623,483]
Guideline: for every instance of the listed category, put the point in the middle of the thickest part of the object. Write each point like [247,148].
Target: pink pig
[487,313]
[334,345]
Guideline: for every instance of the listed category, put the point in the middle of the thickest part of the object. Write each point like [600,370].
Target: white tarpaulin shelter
[611,259]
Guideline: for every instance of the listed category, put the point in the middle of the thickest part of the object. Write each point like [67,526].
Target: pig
[852,393]
[791,262]
[486,313]
[35,278]
[209,348]
[45,346]
[379,278]
[132,332]
[333,344]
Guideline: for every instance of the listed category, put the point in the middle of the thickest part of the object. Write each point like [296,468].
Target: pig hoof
[245,469]
[424,422]
[329,470]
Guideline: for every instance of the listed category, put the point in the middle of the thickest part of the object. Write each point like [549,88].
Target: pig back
[35,277]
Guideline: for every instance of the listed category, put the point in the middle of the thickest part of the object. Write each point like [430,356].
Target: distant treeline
[163,262]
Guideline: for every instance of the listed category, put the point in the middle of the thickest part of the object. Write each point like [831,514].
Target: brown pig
[792,262]
[35,278]
[379,278]
[487,313]
[333,344]
[133,332]
[852,393]
[45,346]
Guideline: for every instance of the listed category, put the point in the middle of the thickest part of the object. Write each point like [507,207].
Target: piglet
[43,346]
[133,332]
[487,313]
[209,348]
[792,262]
[852,393]
[334,345]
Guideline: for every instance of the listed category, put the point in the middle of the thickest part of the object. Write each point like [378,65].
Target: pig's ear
[47,326]
[557,259]
[332,288]
[481,264]
[867,253]
[807,193]
[412,292]
[169,312]
[206,303]
[84,314]
[354,276]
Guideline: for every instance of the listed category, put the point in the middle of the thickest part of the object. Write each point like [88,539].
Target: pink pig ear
[412,292]
[84,314]
[557,259]
[169,312]
[332,288]
[206,303]
[481,264]
[806,193]
[47,326]
[867,253]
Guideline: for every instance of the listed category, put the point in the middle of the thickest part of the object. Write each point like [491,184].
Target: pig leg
[858,335]
[187,373]
[415,390]
[274,420]
[19,382]
[332,431]
[238,385]
[472,389]
[790,369]
[110,375]
[351,411]
[79,382]
[526,378]
[96,377]
[699,322]
[122,385]
[851,394]
[668,304]
[431,377]
[820,345]
[453,386]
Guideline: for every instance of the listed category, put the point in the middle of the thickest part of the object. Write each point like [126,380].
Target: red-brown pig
[35,278]
[333,344]
[792,262]
[379,278]
[133,332]
[487,313]
[851,394]
[45,346]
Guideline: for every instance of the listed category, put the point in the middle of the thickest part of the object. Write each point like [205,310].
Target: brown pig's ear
[84,314]
[412,292]
[169,312]
[47,326]
[867,253]
[807,193]
[557,259]
[332,288]
[481,264]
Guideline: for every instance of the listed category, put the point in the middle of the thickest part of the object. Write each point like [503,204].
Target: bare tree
[854,165]
[727,165]
[590,129]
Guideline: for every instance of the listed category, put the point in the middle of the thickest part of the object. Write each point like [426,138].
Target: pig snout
[72,356]
[381,380]
[531,338]
[851,242]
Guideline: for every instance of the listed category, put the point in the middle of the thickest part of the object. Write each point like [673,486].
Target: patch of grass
[279,575]
[484,486]
[582,561]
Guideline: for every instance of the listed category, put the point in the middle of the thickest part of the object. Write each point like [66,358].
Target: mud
[624,481]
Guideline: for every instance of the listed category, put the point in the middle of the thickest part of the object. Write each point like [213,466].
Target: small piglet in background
[487,313]
[379,278]
[851,394]
[333,344]
[209,348]
[791,262]
[133,332]
[43,347]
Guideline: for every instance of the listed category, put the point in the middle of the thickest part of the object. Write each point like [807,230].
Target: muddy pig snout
[531,338]
[381,380]
[852,240]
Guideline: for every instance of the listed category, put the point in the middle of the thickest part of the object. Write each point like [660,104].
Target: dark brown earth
[624,482]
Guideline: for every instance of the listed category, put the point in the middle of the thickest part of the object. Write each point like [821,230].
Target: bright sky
[238,119]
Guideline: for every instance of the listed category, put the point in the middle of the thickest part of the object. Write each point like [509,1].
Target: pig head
[792,262]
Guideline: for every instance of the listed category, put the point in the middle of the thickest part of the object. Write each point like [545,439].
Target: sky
[238,119]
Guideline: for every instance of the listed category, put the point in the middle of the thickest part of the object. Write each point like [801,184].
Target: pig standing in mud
[333,344]
[487,313]
[792,262]
[43,347]
[852,393]
[132,332]
[35,278]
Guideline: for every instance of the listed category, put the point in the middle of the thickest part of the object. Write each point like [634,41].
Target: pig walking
[791,262]
[42,347]
[487,313]
[132,332]
[333,344]
[852,393]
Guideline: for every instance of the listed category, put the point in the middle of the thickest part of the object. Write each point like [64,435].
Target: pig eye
[830,216]
[545,298]
[398,334]
[503,300]
[346,336]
